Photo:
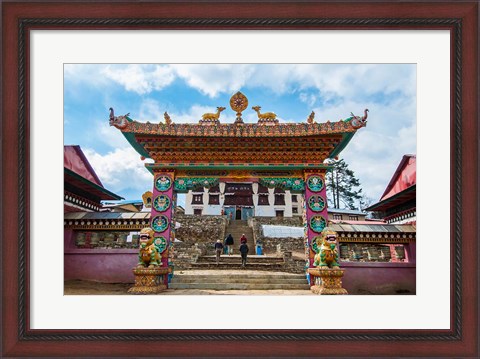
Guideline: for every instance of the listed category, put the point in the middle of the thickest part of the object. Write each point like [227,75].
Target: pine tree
[342,186]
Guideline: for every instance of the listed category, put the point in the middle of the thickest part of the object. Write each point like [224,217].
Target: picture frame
[461,19]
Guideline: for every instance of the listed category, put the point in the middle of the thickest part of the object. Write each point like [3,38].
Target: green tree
[342,186]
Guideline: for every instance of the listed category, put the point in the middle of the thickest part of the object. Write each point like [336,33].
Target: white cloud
[141,79]
[212,79]
[150,110]
[120,170]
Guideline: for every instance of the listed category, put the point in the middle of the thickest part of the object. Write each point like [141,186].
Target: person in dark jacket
[243,252]
[229,243]
[218,250]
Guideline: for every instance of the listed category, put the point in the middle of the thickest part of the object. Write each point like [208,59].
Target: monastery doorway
[238,214]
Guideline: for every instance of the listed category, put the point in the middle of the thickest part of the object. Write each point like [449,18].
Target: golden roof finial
[239,103]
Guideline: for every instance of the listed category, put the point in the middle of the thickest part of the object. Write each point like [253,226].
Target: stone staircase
[269,263]
[240,280]
[236,228]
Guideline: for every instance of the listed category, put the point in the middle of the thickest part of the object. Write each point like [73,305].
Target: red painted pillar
[161,220]
[316,215]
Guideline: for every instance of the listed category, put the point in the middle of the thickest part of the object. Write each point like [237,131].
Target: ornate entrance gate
[289,156]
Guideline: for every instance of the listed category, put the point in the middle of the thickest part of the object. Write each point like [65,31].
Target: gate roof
[238,145]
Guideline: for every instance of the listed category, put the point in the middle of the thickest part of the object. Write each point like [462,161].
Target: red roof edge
[397,173]
[88,166]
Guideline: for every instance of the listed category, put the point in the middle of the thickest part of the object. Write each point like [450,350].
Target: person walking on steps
[218,250]
[229,243]
[243,252]
[243,239]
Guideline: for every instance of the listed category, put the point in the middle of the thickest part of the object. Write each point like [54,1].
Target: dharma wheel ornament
[239,103]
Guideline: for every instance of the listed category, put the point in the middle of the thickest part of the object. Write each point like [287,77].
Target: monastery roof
[405,176]
[402,187]
[373,228]
[74,159]
[79,174]
[346,211]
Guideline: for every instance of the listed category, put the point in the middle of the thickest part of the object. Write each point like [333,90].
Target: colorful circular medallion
[316,203]
[317,223]
[160,223]
[160,243]
[315,183]
[161,203]
[163,183]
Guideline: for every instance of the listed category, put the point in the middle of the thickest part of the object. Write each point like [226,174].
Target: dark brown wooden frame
[461,18]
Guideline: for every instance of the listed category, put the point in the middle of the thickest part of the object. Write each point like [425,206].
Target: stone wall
[271,244]
[185,254]
[200,229]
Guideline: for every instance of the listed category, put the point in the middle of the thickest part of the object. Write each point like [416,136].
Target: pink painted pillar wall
[161,219]
[316,215]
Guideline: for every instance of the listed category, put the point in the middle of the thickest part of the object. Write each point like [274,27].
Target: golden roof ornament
[168,120]
[239,103]
[267,118]
[211,118]
[147,199]
[311,118]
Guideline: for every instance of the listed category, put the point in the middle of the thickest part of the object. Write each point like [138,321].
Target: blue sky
[292,91]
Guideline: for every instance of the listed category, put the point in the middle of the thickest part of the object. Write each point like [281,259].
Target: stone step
[229,279]
[228,266]
[238,286]
[236,258]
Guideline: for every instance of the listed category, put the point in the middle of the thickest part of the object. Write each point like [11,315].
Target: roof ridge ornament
[238,103]
[267,118]
[211,118]
[359,122]
[120,122]
[311,118]
[168,120]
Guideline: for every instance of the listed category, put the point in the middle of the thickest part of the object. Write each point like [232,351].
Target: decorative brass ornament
[211,118]
[239,103]
[264,116]
[147,199]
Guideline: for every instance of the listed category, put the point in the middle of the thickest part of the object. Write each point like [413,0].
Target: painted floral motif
[286,183]
[160,223]
[317,223]
[163,183]
[160,243]
[161,203]
[184,184]
[316,203]
[315,183]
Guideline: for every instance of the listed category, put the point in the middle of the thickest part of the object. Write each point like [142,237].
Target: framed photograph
[440,38]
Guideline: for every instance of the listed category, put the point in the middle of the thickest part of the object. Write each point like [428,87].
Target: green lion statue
[326,248]
[148,255]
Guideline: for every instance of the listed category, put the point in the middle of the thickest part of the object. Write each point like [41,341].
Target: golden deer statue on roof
[213,116]
[264,116]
